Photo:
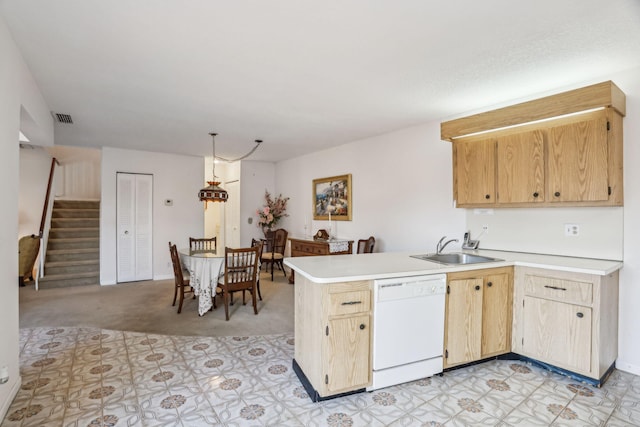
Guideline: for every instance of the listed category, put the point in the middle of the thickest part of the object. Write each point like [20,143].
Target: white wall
[213,211]
[532,230]
[175,177]
[629,342]
[255,177]
[35,164]
[401,195]
[20,98]
[78,173]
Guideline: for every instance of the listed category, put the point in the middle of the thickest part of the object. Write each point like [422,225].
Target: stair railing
[45,222]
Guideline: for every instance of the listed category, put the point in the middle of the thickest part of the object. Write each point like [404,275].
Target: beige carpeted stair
[73,251]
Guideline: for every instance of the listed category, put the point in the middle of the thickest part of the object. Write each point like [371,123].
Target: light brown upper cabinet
[563,150]
[578,160]
[521,172]
[475,177]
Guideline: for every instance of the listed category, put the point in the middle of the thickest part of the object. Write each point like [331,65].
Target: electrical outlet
[4,375]
[485,229]
[571,230]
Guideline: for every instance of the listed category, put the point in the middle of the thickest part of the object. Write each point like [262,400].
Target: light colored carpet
[146,307]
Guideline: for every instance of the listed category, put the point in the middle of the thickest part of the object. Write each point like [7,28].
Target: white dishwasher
[408,329]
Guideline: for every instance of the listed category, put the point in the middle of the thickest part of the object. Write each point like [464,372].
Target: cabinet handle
[580,315]
[555,287]
[557,194]
[487,196]
[362,324]
[351,302]
[477,288]
[535,194]
[490,284]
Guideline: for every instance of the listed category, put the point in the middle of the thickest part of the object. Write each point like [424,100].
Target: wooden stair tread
[72,251]
[73,239]
[51,277]
[70,263]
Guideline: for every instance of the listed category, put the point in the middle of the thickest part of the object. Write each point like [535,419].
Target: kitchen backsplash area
[592,232]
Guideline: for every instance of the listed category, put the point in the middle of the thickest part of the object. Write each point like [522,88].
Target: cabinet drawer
[568,291]
[349,302]
[308,249]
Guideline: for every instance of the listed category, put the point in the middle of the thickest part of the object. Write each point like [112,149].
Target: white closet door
[144,250]
[125,227]
[134,227]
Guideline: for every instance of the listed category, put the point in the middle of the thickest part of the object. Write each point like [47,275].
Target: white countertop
[340,268]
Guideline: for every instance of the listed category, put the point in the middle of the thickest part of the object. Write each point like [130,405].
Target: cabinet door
[557,333]
[475,171]
[348,366]
[521,167]
[463,321]
[578,159]
[496,315]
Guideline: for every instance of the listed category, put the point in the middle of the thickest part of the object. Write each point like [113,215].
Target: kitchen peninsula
[313,247]
[562,312]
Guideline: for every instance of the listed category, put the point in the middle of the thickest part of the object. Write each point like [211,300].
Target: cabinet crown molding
[600,95]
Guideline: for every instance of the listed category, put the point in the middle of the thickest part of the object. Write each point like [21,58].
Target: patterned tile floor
[93,377]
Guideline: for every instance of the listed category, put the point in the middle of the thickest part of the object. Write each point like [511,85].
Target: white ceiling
[302,75]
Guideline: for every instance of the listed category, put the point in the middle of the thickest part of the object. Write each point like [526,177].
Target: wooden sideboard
[310,247]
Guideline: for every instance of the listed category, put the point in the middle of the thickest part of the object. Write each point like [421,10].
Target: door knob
[477,288]
[362,326]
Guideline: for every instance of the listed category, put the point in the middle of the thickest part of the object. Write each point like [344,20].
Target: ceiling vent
[63,118]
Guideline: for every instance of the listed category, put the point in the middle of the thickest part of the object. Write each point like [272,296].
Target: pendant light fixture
[212,192]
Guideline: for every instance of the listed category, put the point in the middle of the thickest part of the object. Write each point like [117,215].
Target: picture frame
[332,195]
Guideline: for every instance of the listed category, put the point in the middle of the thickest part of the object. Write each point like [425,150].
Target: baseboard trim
[628,367]
[12,395]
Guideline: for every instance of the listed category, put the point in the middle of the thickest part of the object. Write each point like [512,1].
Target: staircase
[73,250]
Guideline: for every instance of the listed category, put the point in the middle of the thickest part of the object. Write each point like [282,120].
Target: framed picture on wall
[332,198]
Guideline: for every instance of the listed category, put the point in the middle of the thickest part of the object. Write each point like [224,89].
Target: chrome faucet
[440,246]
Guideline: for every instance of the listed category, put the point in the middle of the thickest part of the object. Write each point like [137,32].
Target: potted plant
[272,212]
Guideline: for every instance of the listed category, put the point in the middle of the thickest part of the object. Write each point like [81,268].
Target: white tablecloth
[204,269]
[338,246]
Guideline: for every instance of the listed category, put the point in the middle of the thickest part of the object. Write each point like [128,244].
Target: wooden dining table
[204,269]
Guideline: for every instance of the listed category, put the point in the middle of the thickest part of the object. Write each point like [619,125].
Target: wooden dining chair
[365,246]
[259,244]
[203,244]
[240,272]
[182,284]
[274,252]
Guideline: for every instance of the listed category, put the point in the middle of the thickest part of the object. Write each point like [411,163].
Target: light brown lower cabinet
[568,320]
[477,315]
[333,335]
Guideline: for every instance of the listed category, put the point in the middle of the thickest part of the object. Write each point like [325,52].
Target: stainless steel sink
[456,258]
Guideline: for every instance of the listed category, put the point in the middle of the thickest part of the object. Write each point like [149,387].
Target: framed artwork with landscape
[332,198]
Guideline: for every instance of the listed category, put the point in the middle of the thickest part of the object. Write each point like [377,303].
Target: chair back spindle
[203,244]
